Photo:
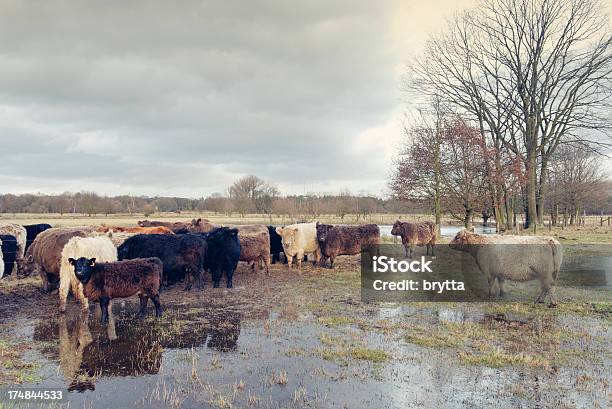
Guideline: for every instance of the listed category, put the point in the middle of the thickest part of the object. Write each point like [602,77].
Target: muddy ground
[303,339]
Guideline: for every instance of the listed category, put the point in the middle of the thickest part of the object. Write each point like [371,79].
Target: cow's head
[143,223]
[197,222]
[83,268]
[287,235]
[397,228]
[26,266]
[322,231]
[462,240]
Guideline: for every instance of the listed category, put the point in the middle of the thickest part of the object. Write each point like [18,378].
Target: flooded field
[304,340]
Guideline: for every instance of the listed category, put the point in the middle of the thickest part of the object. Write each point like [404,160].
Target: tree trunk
[542,190]
[531,210]
[510,218]
[467,218]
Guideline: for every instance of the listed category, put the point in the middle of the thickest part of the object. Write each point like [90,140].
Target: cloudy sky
[166,98]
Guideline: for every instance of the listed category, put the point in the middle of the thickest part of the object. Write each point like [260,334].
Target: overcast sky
[182,98]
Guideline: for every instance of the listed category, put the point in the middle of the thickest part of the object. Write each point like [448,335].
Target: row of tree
[518,106]
[247,195]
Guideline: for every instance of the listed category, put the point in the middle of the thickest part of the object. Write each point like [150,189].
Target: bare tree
[576,179]
[532,73]
[463,175]
[251,193]
[418,167]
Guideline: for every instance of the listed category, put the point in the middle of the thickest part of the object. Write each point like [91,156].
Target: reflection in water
[87,350]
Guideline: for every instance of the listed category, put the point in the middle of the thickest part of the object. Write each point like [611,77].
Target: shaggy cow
[223,254]
[176,227]
[183,255]
[45,253]
[33,230]
[416,234]
[8,255]
[101,248]
[299,239]
[134,230]
[201,226]
[104,281]
[515,258]
[19,232]
[345,240]
[254,244]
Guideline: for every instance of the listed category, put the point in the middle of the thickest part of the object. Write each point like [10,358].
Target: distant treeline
[312,205]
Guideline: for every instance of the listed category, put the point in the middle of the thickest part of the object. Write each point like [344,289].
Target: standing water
[448,231]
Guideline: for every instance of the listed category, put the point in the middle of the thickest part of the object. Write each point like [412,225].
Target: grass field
[304,339]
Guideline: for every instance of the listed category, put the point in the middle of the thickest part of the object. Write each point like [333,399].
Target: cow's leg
[543,291]
[230,276]
[266,261]
[104,308]
[144,300]
[300,256]
[216,276]
[432,249]
[331,261]
[500,282]
[188,280]
[491,281]
[289,260]
[45,280]
[63,293]
[77,291]
[158,307]
[406,249]
[318,255]
[201,279]
[553,297]
[412,247]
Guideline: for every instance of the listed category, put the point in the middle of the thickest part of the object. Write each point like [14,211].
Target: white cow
[101,248]
[515,258]
[299,239]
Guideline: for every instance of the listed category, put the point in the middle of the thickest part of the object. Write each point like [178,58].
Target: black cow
[34,230]
[9,253]
[183,255]
[276,244]
[223,254]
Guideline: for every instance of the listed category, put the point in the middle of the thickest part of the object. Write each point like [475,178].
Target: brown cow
[254,244]
[44,255]
[345,240]
[135,230]
[416,234]
[195,226]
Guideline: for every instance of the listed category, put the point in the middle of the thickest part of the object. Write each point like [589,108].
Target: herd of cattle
[106,262]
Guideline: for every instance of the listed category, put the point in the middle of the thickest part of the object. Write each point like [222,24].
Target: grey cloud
[169,98]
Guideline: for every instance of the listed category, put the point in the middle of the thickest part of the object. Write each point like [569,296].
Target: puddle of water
[201,356]
[446,231]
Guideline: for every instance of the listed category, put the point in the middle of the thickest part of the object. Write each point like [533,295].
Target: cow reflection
[71,348]
[126,347]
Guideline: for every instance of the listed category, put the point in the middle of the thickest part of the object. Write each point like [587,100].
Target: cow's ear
[279,230]
[71,260]
[199,221]
[295,229]
[30,258]
[92,261]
